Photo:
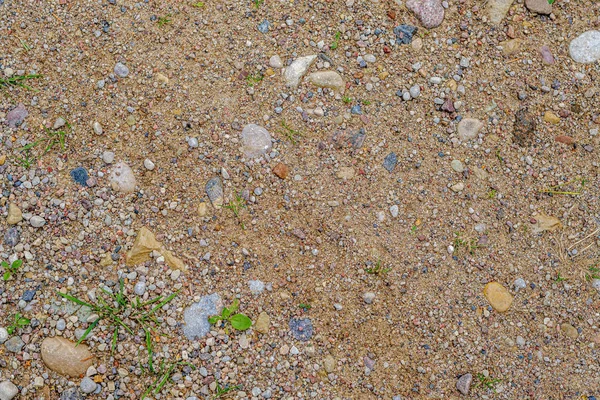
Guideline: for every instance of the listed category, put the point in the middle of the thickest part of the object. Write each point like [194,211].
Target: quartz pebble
[468,128]
[121,70]
[328,79]
[429,12]
[295,71]
[256,141]
[586,47]
[122,178]
[8,390]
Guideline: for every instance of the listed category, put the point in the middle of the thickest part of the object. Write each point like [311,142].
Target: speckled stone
[429,12]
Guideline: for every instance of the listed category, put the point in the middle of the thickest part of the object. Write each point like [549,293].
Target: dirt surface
[387,259]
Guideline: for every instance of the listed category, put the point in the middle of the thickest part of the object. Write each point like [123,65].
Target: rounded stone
[3,335]
[65,357]
[8,390]
[498,296]
[122,178]
[256,141]
[148,164]
[457,166]
[275,62]
[121,70]
[37,222]
[97,128]
[87,385]
[586,47]
[468,128]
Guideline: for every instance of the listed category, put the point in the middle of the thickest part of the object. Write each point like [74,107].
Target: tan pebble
[65,357]
[2,159]
[262,323]
[498,296]
[345,173]
[569,331]
[14,214]
[202,209]
[551,118]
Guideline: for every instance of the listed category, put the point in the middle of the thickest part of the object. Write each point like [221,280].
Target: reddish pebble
[281,170]
[564,139]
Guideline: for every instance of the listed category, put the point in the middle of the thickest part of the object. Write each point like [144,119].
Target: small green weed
[236,206]
[551,1]
[257,3]
[291,134]
[336,40]
[559,278]
[239,321]
[460,242]
[19,321]
[254,78]
[499,157]
[115,307]
[163,374]
[413,229]
[492,194]
[162,21]
[377,269]
[18,81]
[487,382]
[346,99]
[366,102]
[221,391]
[11,269]
[199,4]
[594,273]
[24,44]
[304,306]
[52,139]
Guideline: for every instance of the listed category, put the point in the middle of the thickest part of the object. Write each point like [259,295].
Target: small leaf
[240,322]
[4,264]
[23,321]
[17,264]
[6,275]
[226,312]
[234,307]
[214,319]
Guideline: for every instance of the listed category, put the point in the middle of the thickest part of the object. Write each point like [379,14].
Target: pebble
[121,70]
[16,116]
[415,91]
[196,316]
[429,12]
[301,328]
[14,344]
[256,141]
[80,176]
[539,6]
[368,297]
[256,287]
[139,288]
[297,69]
[3,335]
[497,10]
[275,62]
[281,170]
[37,222]
[547,56]
[263,27]
[148,164]
[457,166]
[519,284]
[390,161]
[458,187]
[108,157]
[262,323]
[464,383]
[122,178]
[404,33]
[328,79]
[87,385]
[468,128]
[11,237]
[214,191]
[329,364]
[551,118]
[72,393]
[8,390]
[569,331]
[66,357]
[394,211]
[14,214]
[586,47]
[97,128]
[498,296]
[59,123]
[193,142]
[61,325]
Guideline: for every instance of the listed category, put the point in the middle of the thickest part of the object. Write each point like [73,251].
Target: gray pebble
[369,297]
[87,385]
[37,221]
[140,288]
[14,344]
[8,390]
[464,383]
[61,325]
[108,157]
[121,70]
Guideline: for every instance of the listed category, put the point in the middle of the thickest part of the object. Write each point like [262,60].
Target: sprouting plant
[594,273]
[199,4]
[239,321]
[253,79]
[19,321]
[11,269]
[54,137]
[24,44]
[291,134]
[18,81]
[162,21]
[492,194]
[346,99]
[487,381]
[551,1]
[221,391]
[162,376]
[236,206]
[257,3]
[377,269]
[336,40]
[559,278]
[116,307]
[26,159]
[304,306]
[413,229]
[468,244]
[366,102]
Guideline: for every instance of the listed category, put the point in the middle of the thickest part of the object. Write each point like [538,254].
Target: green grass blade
[162,303]
[88,330]
[76,300]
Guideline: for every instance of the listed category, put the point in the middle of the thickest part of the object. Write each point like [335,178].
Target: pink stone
[429,12]
[547,57]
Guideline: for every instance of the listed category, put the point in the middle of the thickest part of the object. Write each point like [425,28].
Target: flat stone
[80,176]
[457,166]
[329,364]
[327,79]
[12,236]
[122,178]
[121,70]
[97,128]
[429,12]
[275,62]
[404,33]
[390,161]
[8,390]
[14,214]
[497,10]
[256,141]
[551,118]
[214,191]
[498,296]
[539,6]
[59,123]
[569,330]
[511,47]
[262,323]
[281,170]
[297,69]
[301,328]
[196,316]
[547,56]
[468,128]
[14,344]
[16,116]
[66,357]
[37,222]
[586,47]
[345,173]
[87,385]
[464,383]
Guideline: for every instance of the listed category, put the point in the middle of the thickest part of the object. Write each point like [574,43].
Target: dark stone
[524,128]
[28,295]
[404,33]
[301,328]
[80,176]
[11,237]
[390,161]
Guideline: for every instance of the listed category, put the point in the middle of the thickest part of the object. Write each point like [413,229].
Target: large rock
[498,296]
[297,70]
[497,10]
[468,128]
[14,214]
[539,6]
[256,141]
[65,357]
[429,12]
[122,178]
[196,316]
[145,243]
[328,79]
[8,390]
[586,47]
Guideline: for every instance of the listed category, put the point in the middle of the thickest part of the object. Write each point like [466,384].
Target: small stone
[275,62]
[148,164]
[108,157]
[256,287]
[500,299]
[262,323]
[59,123]
[569,331]
[539,6]
[568,140]
[16,116]
[80,176]
[404,33]
[121,70]
[244,342]
[464,383]
[256,141]
[390,161]
[122,178]
[3,335]
[162,78]
[196,316]
[510,47]
[301,328]
[214,191]
[468,128]
[547,56]
[14,214]
[519,284]
[65,357]
[87,385]
[97,128]
[140,288]
[8,390]
[14,344]
[297,69]
[394,211]
[328,79]
[551,118]
[12,237]
[458,187]
[429,12]
[497,10]
[586,47]
[345,173]
[368,297]
[263,27]
[37,222]
[202,209]
[329,364]
[72,393]
[415,91]
[457,166]
[284,350]
[281,170]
